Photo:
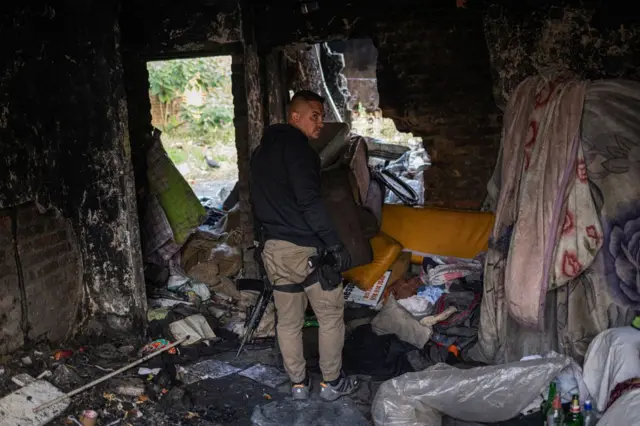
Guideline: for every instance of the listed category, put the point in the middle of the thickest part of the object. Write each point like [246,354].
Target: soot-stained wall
[41,292]
[64,144]
[590,39]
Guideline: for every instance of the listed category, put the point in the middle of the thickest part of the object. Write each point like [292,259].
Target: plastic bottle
[588,415]
[575,416]
[555,415]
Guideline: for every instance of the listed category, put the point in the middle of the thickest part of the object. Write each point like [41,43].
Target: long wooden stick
[108,376]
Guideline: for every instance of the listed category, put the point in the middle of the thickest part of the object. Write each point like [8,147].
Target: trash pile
[551,388]
[431,311]
[192,252]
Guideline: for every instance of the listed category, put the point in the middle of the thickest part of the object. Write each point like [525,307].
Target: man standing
[295,225]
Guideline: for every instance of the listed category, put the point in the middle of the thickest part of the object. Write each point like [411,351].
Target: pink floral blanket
[546,195]
[563,262]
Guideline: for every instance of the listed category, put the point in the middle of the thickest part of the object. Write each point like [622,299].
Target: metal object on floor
[255,316]
[110,375]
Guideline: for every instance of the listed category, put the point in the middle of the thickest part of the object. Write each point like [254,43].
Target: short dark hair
[307,96]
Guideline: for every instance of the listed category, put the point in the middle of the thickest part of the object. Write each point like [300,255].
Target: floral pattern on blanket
[622,253]
[606,293]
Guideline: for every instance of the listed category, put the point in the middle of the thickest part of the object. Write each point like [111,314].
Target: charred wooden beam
[276,87]
[254,128]
[170,29]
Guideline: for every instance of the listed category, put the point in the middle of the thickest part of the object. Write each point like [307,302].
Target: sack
[394,319]
[183,209]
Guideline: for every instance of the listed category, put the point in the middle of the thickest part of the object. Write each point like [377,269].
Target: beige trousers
[287,263]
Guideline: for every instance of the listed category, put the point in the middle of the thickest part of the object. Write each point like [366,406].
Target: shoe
[301,391]
[346,386]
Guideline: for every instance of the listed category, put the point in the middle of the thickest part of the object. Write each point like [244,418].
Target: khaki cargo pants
[287,263]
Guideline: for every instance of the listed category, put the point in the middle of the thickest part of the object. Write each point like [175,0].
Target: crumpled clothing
[431,293]
[417,306]
[441,270]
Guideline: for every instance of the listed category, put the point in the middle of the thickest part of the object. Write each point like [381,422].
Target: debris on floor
[209,369]
[313,412]
[17,408]
[266,375]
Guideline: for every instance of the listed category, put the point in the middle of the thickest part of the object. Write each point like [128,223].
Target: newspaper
[370,297]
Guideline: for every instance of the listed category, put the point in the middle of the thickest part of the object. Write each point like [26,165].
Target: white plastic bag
[485,394]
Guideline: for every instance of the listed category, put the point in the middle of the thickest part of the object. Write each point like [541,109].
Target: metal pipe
[108,376]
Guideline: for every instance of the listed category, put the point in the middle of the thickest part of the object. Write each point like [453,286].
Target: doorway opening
[192,104]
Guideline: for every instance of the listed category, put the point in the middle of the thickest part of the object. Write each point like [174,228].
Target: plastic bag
[417,184]
[228,258]
[188,287]
[485,394]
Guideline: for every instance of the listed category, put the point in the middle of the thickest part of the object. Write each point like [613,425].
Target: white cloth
[625,411]
[613,357]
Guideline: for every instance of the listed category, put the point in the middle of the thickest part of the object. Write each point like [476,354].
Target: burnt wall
[64,143]
[360,57]
[434,80]
[587,38]
[170,29]
[41,292]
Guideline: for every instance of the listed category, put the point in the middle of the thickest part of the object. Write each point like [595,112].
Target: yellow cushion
[385,252]
[438,231]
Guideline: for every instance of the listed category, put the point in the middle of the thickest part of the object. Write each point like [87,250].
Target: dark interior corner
[75,122]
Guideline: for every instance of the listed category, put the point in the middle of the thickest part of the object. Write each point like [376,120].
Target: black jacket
[285,189]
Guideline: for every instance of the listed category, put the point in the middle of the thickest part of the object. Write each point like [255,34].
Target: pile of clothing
[437,311]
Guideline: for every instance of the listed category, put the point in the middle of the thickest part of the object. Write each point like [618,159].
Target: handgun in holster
[324,269]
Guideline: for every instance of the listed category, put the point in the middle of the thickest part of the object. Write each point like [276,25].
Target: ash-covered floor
[164,399]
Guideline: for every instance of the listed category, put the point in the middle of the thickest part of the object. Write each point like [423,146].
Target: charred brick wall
[41,293]
[64,143]
[434,81]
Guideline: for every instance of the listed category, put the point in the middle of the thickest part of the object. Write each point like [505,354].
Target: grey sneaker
[302,390]
[346,386]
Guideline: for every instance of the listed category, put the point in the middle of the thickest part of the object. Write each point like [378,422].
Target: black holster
[329,278]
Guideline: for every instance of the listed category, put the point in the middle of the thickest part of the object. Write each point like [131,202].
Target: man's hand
[341,256]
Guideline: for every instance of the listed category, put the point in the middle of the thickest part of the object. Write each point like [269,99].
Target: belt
[311,279]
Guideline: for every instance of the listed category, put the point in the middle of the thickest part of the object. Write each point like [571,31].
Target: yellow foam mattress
[437,231]
[385,251]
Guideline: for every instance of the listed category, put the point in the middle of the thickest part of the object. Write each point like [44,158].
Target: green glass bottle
[575,415]
[546,405]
